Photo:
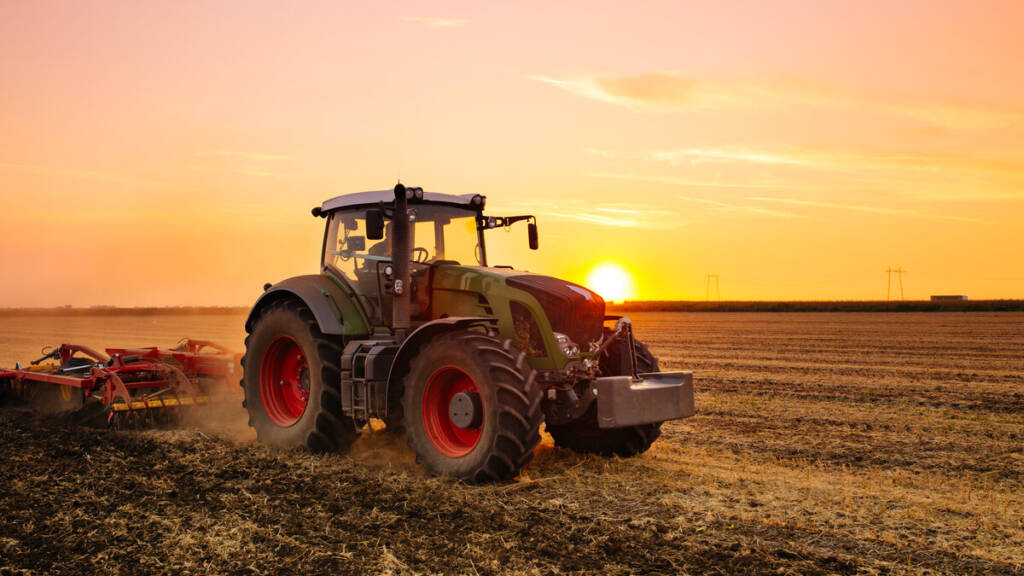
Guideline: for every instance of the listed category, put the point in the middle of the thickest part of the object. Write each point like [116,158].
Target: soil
[860,445]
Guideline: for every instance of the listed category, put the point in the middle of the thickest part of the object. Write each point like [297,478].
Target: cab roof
[375,197]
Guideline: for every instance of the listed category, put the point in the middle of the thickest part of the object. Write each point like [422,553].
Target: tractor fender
[423,334]
[323,298]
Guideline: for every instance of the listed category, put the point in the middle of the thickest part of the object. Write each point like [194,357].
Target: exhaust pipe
[401,253]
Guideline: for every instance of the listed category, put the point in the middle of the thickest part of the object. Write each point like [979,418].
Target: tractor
[406,324]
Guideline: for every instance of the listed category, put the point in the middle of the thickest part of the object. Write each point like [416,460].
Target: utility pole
[890,272]
[707,288]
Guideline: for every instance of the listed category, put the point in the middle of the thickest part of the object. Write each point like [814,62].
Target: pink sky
[168,153]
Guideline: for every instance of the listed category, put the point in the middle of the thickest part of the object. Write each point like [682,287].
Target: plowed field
[849,443]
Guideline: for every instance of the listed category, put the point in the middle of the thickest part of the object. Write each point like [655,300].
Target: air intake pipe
[401,253]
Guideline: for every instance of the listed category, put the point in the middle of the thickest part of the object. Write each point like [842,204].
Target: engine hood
[571,309]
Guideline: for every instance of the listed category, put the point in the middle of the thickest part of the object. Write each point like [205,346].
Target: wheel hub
[453,414]
[465,410]
[284,381]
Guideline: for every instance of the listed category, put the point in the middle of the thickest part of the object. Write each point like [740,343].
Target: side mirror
[374,224]
[531,230]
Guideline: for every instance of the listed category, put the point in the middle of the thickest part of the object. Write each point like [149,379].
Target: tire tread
[519,416]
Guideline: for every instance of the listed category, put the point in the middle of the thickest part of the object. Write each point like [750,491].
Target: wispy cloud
[613,214]
[624,216]
[257,164]
[711,156]
[112,177]
[667,91]
[647,91]
[695,156]
[436,22]
[603,220]
[863,208]
[732,206]
[647,212]
[686,183]
[859,160]
[252,156]
[254,171]
[924,174]
[727,207]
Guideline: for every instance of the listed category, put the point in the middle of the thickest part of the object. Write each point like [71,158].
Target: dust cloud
[382,448]
[222,417]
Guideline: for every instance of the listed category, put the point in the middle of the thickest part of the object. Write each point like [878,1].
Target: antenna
[898,273]
[707,288]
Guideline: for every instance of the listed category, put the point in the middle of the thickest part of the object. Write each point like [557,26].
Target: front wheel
[471,407]
[291,381]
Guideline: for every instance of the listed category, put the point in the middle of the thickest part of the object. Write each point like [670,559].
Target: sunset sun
[611,281]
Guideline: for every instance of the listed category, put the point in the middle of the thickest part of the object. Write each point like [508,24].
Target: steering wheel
[417,251]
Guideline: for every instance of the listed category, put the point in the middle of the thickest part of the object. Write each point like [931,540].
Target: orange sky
[158,153]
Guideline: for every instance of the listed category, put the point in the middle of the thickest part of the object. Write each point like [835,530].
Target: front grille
[528,336]
[571,309]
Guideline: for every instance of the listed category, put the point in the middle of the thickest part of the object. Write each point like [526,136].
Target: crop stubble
[824,443]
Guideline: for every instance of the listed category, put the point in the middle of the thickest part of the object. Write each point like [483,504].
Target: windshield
[438,233]
[444,233]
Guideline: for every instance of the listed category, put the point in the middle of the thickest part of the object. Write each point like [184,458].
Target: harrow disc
[151,413]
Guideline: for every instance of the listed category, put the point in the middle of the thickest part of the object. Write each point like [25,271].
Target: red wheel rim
[448,438]
[284,381]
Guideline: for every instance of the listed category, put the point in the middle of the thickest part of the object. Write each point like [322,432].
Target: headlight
[566,345]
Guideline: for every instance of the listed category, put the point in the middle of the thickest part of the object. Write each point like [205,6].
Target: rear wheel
[291,381]
[471,407]
[584,435]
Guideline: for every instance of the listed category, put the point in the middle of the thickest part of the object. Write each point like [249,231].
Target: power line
[707,288]
[898,273]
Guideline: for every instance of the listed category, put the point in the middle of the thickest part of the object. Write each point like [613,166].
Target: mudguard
[334,309]
[424,333]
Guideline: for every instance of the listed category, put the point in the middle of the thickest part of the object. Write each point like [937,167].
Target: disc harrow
[126,387]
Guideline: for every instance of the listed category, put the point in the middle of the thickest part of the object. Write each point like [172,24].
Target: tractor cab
[443,230]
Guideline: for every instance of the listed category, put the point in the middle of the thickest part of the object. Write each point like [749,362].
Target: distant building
[950,298]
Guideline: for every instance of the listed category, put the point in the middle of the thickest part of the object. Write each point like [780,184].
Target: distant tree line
[821,306]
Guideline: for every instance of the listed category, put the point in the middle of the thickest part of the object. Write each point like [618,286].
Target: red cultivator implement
[126,386]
